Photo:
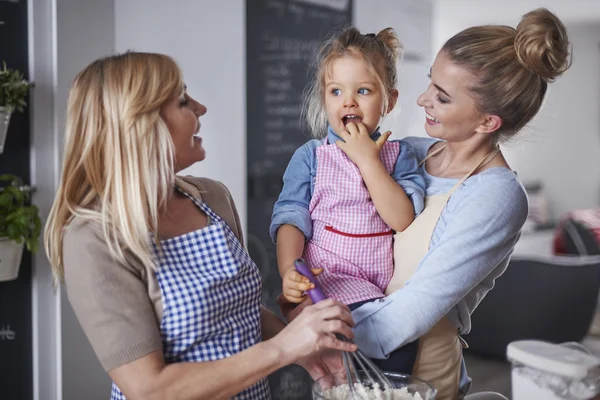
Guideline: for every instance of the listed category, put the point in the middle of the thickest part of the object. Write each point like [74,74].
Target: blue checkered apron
[211,292]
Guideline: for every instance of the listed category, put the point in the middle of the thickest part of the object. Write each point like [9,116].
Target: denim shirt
[299,183]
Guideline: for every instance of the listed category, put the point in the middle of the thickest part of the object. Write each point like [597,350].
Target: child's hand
[295,284]
[359,146]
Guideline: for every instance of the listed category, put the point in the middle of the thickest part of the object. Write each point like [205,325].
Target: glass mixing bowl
[414,386]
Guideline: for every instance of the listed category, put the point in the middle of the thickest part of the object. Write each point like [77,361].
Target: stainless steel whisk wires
[369,369]
[350,359]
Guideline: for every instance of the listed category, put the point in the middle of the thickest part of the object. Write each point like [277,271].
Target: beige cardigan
[118,304]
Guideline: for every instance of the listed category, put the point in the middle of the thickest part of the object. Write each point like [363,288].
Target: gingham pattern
[355,269]
[211,292]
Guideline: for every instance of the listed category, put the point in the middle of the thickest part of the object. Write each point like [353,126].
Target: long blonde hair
[118,168]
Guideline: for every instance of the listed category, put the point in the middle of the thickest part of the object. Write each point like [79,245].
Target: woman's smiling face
[451,110]
[181,115]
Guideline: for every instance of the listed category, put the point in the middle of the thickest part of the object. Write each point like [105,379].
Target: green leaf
[19,220]
[13,89]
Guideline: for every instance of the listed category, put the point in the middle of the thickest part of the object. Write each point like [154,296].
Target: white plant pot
[10,259]
[4,121]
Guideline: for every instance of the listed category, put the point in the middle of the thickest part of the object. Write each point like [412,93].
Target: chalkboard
[282,39]
[16,359]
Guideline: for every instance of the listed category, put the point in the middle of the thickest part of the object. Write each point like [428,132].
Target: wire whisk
[353,361]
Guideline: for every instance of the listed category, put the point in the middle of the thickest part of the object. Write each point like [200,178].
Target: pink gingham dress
[350,241]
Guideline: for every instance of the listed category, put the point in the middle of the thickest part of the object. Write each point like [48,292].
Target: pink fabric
[355,268]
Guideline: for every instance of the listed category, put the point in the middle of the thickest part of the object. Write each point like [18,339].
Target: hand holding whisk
[373,373]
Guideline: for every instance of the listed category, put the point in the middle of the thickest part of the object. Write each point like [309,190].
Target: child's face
[352,94]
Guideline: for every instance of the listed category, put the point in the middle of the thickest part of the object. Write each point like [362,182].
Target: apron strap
[489,157]
[197,200]
[431,154]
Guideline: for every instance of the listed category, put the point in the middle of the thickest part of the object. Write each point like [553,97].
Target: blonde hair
[512,66]
[380,52]
[118,168]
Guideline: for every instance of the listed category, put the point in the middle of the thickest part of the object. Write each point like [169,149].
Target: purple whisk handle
[315,294]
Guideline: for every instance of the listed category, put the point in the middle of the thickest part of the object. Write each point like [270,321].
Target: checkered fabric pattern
[211,291]
[355,268]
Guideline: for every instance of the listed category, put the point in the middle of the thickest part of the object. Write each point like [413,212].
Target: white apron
[440,349]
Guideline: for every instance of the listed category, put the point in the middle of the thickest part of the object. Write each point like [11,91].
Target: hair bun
[542,44]
[390,39]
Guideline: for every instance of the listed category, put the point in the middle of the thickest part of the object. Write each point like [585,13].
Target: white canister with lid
[547,371]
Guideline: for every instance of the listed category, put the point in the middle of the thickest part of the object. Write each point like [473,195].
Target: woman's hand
[323,363]
[314,329]
[358,145]
[291,310]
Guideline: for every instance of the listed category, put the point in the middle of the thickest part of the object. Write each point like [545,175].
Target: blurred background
[247,61]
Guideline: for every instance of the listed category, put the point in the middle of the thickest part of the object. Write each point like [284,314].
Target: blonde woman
[153,263]
[487,83]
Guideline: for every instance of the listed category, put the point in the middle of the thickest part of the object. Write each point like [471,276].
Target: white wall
[561,146]
[412,21]
[450,16]
[209,44]
[44,155]
[84,32]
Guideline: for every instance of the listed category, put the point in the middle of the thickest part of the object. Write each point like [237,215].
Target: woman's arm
[483,222]
[317,364]
[269,323]
[149,378]
[112,304]
[389,198]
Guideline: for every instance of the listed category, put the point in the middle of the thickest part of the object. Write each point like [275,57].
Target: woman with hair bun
[487,82]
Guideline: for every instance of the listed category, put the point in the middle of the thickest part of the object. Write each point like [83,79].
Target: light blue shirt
[470,248]
[299,181]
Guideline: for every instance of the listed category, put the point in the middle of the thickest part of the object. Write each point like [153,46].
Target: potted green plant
[13,91]
[20,225]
